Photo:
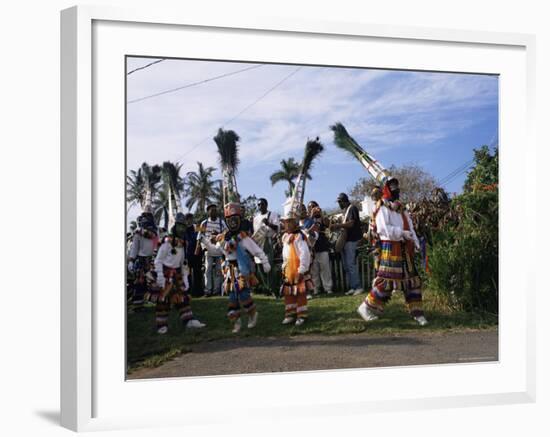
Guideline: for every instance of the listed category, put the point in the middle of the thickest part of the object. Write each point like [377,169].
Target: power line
[144,67]
[288,76]
[454,177]
[189,85]
[463,167]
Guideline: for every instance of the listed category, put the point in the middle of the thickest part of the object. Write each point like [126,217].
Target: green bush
[464,254]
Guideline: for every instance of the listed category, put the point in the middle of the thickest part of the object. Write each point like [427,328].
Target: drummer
[266,221]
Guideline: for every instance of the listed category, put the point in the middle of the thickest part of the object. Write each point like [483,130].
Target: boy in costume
[238,266]
[297,283]
[144,244]
[173,286]
[396,269]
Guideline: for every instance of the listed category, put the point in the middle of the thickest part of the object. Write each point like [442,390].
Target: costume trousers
[142,266]
[320,272]
[240,299]
[296,305]
[172,296]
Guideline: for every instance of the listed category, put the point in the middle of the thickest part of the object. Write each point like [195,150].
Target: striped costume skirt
[234,281]
[173,292]
[304,287]
[396,267]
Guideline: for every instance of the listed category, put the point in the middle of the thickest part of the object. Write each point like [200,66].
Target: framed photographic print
[315,216]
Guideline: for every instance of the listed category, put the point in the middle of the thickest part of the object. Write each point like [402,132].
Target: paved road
[316,352]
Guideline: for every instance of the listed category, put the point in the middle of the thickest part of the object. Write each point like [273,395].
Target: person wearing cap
[212,226]
[239,278]
[320,264]
[396,270]
[297,283]
[351,224]
[172,283]
[140,256]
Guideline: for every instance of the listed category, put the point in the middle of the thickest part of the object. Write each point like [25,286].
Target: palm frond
[344,140]
[313,149]
[228,149]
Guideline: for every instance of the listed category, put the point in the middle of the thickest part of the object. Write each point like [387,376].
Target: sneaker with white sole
[162,330]
[237,326]
[357,291]
[329,292]
[300,321]
[421,320]
[288,320]
[194,324]
[365,313]
[253,320]
[349,292]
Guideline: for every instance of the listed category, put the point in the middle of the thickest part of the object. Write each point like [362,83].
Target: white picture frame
[92,384]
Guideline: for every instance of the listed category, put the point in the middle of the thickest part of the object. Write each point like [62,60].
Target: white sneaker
[350,292]
[288,320]
[357,291]
[162,330]
[300,321]
[329,292]
[310,296]
[421,320]
[365,313]
[253,320]
[194,324]
[237,326]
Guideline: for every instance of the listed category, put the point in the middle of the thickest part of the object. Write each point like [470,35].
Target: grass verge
[328,315]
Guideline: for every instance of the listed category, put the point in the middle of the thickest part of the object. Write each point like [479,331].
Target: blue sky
[433,120]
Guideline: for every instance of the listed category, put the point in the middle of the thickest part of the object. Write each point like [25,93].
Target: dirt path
[315,352]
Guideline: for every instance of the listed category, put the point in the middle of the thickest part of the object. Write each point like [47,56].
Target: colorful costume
[238,267]
[297,283]
[144,244]
[173,286]
[396,268]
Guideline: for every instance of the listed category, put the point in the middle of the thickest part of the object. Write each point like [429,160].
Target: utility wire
[463,167]
[144,67]
[189,85]
[288,76]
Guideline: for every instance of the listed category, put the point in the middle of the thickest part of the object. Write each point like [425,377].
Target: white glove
[130,266]
[161,282]
[407,235]
[267,267]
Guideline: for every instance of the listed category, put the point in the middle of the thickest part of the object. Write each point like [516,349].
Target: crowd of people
[226,254]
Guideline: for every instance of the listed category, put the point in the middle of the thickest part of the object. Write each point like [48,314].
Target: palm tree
[290,169]
[228,149]
[201,188]
[172,186]
[142,186]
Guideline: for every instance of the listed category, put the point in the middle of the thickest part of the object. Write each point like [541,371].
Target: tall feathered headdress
[228,149]
[345,142]
[312,150]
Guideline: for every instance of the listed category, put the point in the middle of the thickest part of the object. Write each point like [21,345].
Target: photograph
[292,217]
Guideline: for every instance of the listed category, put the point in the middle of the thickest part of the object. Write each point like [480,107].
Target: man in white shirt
[265,228]
[396,271]
[213,226]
